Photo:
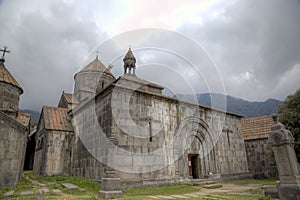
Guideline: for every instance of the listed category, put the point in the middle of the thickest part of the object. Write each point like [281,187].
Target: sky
[252,46]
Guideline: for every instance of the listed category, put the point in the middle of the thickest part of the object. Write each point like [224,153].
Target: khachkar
[282,143]
[110,182]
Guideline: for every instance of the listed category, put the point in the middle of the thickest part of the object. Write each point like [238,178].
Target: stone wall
[84,164]
[261,161]
[127,116]
[13,139]
[9,97]
[169,118]
[53,152]
[87,140]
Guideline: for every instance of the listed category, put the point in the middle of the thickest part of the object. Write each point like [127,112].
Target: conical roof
[128,55]
[96,66]
[6,77]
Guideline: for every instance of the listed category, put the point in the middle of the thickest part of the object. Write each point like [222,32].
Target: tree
[289,116]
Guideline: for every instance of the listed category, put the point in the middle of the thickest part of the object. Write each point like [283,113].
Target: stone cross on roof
[4,50]
[97,54]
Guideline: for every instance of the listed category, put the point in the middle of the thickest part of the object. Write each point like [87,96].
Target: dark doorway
[194,165]
[29,155]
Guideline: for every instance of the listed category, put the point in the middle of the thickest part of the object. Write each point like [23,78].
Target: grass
[23,185]
[163,190]
[87,189]
[254,181]
[55,182]
[91,189]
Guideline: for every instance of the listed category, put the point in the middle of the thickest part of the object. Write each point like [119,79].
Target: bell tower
[129,63]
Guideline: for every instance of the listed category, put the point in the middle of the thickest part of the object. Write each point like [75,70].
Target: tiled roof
[70,98]
[6,77]
[23,118]
[139,80]
[96,66]
[56,119]
[257,127]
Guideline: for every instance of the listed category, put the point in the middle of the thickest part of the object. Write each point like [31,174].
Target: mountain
[235,105]
[34,115]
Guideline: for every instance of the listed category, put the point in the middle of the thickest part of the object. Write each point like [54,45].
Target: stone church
[14,128]
[127,127]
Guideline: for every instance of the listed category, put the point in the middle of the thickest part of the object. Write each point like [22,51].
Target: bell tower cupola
[129,63]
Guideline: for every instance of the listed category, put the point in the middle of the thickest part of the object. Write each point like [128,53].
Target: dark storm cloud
[47,47]
[254,43]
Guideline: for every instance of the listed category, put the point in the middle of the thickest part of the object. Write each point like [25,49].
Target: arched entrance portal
[194,143]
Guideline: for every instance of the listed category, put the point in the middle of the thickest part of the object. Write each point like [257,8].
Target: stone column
[110,182]
[282,143]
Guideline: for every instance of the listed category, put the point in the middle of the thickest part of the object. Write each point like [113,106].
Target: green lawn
[89,189]
[55,181]
[254,181]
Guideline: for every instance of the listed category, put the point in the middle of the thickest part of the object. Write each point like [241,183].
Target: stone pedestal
[110,185]
[282,143]
[288,191]
[110,182]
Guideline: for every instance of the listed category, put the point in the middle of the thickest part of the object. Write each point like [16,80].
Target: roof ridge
[45,106]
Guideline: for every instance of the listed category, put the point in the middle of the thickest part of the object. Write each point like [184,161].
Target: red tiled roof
[256,127]
[6,77]
[23,118]
[56,119]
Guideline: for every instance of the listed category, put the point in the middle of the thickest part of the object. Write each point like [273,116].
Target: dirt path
[230,188]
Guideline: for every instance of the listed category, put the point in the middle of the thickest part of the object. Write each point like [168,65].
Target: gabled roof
[56,119]
[70,99]
[256,127]
[6,77]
